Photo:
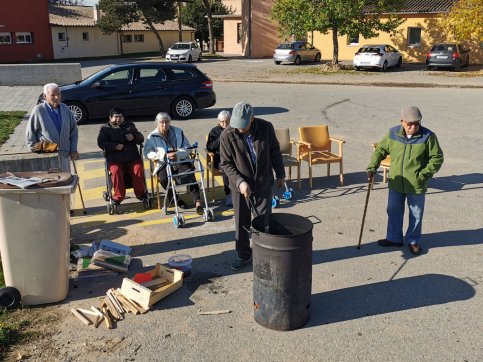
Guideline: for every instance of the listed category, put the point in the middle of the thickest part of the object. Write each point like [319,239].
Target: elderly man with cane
[250,153]
[415,157]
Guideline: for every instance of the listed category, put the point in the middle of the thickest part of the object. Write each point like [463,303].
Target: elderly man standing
[415,157]
[52,128]
[250,153]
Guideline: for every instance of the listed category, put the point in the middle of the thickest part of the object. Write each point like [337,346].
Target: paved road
[370,304]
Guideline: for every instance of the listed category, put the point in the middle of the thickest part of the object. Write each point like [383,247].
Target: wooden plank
[82,317]
[113,310]
[150,283]
[126,302]
[115,302]
[224,311]
[107,318]
[97,311]
[98,321]
[86,311]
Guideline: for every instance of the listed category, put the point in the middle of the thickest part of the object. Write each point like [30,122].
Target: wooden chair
[315,147]
[211,170]
[385,164]
[283,137]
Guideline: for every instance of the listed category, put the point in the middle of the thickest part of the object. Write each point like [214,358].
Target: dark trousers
[135,169]
[225,183]
[262,202]
[180,168]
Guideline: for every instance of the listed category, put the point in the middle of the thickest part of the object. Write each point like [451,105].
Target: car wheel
[357,68]
[182,108]
[79,111]
[317,58]
[384,67]
[298,60]
[190,59]
[399,62]
[199,58]
[277,62]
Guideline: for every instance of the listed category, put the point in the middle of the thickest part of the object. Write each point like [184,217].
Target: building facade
[25,31]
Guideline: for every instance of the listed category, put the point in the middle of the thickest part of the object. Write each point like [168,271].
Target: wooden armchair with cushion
[385,164]
[315,147]
[283,137]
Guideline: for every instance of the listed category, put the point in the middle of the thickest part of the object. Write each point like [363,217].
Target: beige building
[421,28]
[75,34]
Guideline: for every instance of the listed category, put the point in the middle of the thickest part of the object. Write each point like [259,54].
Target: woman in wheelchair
[169,142]
[119,139]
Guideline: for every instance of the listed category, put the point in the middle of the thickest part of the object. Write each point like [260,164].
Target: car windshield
[285,46]
[181,46]
[369,50]
[443,48]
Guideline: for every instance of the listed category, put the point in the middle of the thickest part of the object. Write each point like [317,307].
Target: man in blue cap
[250,153]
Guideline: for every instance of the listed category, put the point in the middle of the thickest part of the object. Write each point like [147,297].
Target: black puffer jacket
[213,143]
[236,162]
[109,137]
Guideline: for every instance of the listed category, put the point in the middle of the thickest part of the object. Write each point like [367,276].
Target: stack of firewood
[110,310]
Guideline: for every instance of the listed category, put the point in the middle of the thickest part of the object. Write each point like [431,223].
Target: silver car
[296,52]
[447,55]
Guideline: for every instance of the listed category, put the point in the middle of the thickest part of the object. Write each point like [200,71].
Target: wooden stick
[82,317]
[86,311]
[224,311]
[98,312]
[98,321]
[136,305]
[126,302]
[113,310]
[156,281]
[107,318]
[115,302]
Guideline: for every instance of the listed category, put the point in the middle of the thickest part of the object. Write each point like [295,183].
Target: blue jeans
[395,213]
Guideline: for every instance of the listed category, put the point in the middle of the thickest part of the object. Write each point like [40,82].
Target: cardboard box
[146,297]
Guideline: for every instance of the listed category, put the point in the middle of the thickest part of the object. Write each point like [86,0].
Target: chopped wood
[115,302]
[126,302]
[113,310]
[98,321]
[86,311]
[97,311]
[138,307]
[224,311]
[82,317]
[107,318]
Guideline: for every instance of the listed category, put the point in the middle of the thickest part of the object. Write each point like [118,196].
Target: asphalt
[370,304]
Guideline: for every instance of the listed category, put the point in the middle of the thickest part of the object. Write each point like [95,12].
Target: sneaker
[240,263]
[199,210]
[386,243]
[228,201]
[415,249]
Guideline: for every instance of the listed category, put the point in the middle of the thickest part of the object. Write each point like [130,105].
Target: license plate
[441,57]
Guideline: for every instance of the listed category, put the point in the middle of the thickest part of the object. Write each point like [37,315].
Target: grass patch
[8,122]
[11,331]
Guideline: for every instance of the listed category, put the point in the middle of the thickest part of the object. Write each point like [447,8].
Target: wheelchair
[112,207]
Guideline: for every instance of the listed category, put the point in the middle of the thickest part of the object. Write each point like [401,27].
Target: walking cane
[80,191]
[369,187]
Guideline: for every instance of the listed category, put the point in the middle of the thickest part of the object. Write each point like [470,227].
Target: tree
[119,13]
[196,15]
[465,20]
[341,17]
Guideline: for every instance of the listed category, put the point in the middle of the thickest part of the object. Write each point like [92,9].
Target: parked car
[380,56]
[184,52]
[296,52]
[141,88]
[447,55]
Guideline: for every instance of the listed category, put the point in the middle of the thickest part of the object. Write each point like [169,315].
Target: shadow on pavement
[387,297]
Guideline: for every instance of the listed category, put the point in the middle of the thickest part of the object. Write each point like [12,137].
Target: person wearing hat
[119,139]
[415,157]
[250,154]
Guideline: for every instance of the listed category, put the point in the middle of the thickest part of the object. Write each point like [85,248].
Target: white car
[377,56]
[184,52]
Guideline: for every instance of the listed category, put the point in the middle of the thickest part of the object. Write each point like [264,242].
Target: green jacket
[413,161]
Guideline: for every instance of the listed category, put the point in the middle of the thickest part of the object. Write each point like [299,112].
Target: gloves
[45,147]
[370,176]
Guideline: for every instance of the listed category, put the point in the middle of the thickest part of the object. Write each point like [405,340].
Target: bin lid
[48,179]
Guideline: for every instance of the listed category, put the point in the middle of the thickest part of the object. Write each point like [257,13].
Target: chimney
[97,13]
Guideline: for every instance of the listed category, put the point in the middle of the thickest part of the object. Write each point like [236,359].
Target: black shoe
[199,210]
[385,243]
[415,249]
[181,204]
[116,202]
[240,263]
